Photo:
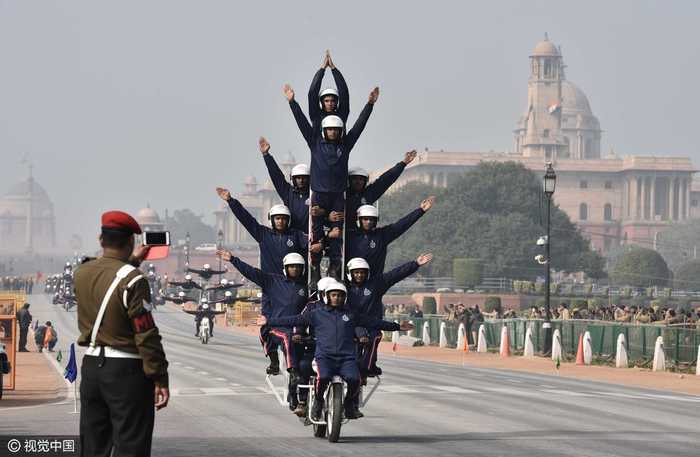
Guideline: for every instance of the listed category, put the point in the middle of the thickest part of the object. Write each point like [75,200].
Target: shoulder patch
[345,318]
[290,243]
[372,244]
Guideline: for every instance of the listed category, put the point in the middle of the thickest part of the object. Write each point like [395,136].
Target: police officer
[365,297]
[334,325]
[124,371]
[288,296]
[295,196]
[370,242]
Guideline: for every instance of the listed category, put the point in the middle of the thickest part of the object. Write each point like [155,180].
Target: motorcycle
[204,330]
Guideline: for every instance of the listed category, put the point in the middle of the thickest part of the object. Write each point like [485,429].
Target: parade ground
[221,406]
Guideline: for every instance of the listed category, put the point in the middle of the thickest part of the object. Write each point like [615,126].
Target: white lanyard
[121,274]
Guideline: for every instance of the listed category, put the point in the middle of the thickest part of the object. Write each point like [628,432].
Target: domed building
[614,200]
[27,221]
[558,121]
[149,220]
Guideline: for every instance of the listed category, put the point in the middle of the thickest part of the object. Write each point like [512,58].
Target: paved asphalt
[221,407]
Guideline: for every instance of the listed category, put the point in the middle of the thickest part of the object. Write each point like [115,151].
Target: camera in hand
[156,238]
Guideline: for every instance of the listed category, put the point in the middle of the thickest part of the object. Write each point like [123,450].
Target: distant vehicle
[206,247]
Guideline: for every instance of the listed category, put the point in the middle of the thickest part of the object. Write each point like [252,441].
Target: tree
[687,276]
[680,243]
[466,272]
[493,213]
[640,267]
[185,221]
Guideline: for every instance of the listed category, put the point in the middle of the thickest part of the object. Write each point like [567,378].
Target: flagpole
[75,398]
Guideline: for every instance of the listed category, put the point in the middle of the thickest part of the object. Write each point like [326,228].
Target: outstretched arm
[299,116]
[298,320]
[278,179]
[403,271]
[250,272]
[354,134]
[398,228]
[247,219]
[374,191]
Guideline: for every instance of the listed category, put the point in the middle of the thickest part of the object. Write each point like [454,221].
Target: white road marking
[203,373]
[455,389]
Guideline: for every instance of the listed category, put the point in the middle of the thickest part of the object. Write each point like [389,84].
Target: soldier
[124,371]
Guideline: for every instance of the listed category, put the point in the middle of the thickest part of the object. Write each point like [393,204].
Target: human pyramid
[327,210]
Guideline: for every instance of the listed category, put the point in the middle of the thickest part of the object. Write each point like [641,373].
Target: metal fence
[680,343]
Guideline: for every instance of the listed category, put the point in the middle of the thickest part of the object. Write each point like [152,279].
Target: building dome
[21,189]
[250,181]
[147,216]
[545,48]
[573,99]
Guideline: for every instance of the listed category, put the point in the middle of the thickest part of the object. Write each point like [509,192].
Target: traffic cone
[579,353]
[505,342]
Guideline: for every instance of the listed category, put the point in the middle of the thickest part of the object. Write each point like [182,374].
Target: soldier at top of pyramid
[330,147]
[329,100]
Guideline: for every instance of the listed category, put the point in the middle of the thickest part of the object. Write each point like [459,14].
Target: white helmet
[334,285]
[300,169]
[205,305]
[228,293]
[367,211]
[292,258]
[328,91]
[224,281]
[357,263]
[207,266]
[323,283]
[181,294]
[279,210]
[331,122]
[188,277]
[358,171]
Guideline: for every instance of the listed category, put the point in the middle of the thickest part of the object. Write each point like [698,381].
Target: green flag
[59,357]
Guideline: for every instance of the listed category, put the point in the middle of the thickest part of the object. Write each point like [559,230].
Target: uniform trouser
[282,337]
[368,356]
[329,201]
[346,368]
[23,337]
[116,408]
[305,355]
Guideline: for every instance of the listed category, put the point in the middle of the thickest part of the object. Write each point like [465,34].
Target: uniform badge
[307,202]
[372,244]
[346,318]
[290,243]
[301,292]
[363,200]
[339,152]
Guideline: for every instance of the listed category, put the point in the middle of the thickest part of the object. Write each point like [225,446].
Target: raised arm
[374,191]
[343,94]
[298,320]
[398,274]
[354,134]
[398,228]
[314,90]
[278,179]
[299,116]
[247,219]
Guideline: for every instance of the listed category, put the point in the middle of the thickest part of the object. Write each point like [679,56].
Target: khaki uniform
[118,330]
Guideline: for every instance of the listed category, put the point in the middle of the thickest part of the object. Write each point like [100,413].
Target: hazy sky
[127,102]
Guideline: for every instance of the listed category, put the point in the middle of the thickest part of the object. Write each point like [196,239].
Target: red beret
[120,221]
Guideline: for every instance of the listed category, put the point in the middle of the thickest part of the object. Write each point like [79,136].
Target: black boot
[317,410]
[352,411]
[274,368]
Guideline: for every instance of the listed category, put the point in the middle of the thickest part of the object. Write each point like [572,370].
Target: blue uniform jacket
[329,161]
[366,299]
[372,246]
[296,201]
[334,329]
[273,245]
[370,194]
[287,297]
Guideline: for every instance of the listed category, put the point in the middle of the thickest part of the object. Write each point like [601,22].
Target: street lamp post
[219,246]
[549,184]
[187,250]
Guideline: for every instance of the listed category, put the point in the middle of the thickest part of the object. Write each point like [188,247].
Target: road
[221,407]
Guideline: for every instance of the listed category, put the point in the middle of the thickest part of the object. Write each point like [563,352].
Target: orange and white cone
[505,343]
[579,352]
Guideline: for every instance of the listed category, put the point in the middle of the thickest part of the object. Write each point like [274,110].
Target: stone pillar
[652,199]
[638,198]
[686,206]
[670,198]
